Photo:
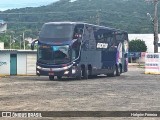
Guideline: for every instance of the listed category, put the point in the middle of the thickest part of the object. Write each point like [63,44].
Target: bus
[80,50]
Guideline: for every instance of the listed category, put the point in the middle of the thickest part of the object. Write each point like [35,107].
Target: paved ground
[132,91]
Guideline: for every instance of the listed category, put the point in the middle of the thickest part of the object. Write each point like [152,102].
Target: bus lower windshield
[54,54]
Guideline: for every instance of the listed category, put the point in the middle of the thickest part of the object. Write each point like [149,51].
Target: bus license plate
[50,73]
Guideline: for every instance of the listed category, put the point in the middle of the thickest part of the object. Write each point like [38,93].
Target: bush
[137,45]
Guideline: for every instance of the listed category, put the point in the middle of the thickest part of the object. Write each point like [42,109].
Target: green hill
[129,15]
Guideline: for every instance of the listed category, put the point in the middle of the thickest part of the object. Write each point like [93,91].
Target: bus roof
[103,27]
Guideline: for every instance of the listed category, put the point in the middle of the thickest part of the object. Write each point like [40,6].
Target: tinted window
[57,31]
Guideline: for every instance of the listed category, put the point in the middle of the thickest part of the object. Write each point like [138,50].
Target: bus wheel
[51,77]
[118,70]
[79,75]
[85,73]
[113,74]
[59,77]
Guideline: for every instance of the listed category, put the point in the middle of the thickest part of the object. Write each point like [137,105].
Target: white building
[17,62]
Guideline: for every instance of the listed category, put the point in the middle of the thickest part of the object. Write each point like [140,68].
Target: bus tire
[51,77]
[85,73]
[59,77]
[118,70]
[113,74]
[79,76]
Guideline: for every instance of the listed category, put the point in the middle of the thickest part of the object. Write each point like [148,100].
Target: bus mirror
[32,44]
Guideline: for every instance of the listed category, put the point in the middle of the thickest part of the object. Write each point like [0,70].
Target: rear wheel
[118,70]
[51,77]
[114,73]
[85,73]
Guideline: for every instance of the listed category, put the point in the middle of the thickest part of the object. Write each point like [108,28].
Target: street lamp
[151,19]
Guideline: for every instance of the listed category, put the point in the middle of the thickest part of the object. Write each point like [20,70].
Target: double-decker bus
[80,50]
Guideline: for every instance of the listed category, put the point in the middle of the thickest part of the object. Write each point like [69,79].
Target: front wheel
[79,75]
[51,77]
[59,77]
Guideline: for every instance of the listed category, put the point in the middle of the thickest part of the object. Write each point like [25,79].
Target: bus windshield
[64,31]
[54,54]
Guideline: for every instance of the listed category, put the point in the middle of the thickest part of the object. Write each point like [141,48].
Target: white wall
[4,63]
[31,64]
[148,38]
[21,64]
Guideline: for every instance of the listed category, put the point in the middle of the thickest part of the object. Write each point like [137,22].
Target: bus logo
[102,45]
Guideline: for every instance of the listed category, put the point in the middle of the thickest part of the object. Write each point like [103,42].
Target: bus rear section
[104,51]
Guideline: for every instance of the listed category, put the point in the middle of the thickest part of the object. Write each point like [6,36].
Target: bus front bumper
[68,71]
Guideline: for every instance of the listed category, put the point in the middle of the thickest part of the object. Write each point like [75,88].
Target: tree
[137,45]
[5,38]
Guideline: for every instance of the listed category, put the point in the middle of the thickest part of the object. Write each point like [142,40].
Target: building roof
[18,51]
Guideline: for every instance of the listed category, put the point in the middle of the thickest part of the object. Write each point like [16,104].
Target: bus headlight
[66,72]
[38,67]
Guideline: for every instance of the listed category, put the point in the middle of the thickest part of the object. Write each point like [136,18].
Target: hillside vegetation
[128,15]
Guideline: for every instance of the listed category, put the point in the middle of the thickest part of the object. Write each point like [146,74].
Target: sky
[12,4]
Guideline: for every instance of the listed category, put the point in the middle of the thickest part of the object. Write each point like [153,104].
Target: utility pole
[24,44]
[20,42]
[156,39]
[155,24]
[98,17]
[10,37]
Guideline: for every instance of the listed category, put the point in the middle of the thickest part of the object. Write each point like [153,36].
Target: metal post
[98,17]
[20,44]
[10,41]
[24,42]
